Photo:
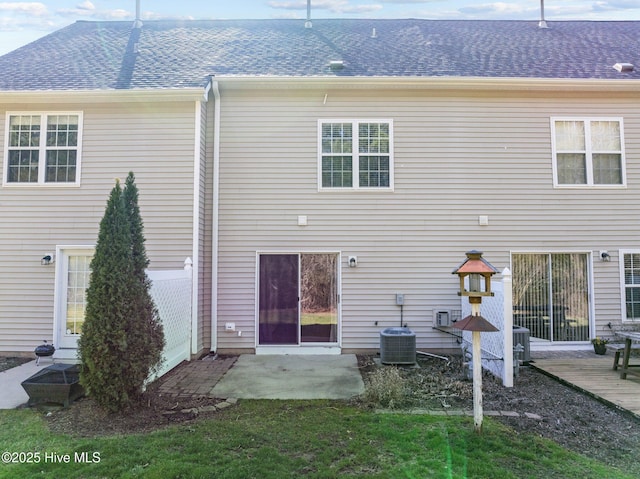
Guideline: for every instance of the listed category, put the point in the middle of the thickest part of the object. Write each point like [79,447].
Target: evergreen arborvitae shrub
[146,336]
[122,336]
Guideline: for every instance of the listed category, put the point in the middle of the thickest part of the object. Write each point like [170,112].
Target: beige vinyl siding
[155,140]
[457,155]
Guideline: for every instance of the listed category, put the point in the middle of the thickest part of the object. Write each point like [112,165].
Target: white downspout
[215,220]
[195,253]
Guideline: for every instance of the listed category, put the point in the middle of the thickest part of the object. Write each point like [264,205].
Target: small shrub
[386,388]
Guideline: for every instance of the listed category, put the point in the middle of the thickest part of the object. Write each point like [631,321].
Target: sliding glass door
[278,304]
[298,298]
[319,298]
[551,295]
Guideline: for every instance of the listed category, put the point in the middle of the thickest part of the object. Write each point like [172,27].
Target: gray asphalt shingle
[180,54]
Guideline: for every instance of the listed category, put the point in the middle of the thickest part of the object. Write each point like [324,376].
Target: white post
[477,373]
[193,344]
[507,375]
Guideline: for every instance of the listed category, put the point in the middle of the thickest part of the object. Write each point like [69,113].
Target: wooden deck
[595,376]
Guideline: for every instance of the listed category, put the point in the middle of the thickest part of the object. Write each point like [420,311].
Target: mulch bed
[155,411]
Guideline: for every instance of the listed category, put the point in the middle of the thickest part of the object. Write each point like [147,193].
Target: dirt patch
[156,411]
[568,417]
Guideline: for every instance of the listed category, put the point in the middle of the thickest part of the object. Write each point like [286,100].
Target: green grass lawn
[323,317]
[292,439]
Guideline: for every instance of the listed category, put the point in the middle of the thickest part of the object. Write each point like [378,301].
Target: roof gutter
[432,83]
[100,96]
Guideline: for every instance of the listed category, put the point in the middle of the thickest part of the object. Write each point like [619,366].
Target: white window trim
[60,287]
[42,157]
[587,122]
[356,162]
[623,285]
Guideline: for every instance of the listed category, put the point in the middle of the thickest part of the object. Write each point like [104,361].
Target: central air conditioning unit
[521,336]
[397,346]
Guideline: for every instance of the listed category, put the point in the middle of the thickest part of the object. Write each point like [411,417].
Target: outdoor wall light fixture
[479,272]
[353,261]
[46,260]
[605,256]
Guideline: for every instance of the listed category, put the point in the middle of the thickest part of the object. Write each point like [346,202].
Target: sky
[24,22]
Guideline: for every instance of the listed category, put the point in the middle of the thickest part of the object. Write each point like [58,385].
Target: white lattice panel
[171,292]
[492,344]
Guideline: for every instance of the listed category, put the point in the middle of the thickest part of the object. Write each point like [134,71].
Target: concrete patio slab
[13,394]
[291,377]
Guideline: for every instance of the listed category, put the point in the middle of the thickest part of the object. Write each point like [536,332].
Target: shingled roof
[183,54]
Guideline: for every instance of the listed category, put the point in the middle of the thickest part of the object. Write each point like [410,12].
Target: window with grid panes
[43,148]
[588,152]
[356,154]
[630,266]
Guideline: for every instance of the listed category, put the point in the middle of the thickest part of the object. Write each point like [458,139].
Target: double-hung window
[355,154]
[43,149]
[588,152]
[630,274]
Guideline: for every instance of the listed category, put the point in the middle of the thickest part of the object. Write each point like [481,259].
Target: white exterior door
[72,281]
